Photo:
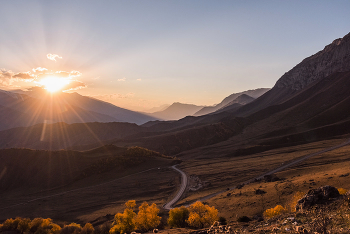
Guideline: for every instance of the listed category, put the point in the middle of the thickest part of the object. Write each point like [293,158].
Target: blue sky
[140,54]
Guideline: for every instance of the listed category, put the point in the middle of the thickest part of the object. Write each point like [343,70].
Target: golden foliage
[124,223]
[294,200]
[201,215]
[178,217]
[71,228]
[342,191]
[147,217]
[269,213]
[130,204]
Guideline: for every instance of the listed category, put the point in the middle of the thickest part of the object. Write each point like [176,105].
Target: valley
[74,158]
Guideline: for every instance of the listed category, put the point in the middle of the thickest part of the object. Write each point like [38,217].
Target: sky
[143,54]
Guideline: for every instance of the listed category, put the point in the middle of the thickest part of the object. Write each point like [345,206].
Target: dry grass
[325,169]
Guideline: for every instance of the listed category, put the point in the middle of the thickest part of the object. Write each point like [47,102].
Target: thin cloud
[7,77]
[74,85]
[53,57]
[123,79]
[138,79]
[24,76]
[39,69]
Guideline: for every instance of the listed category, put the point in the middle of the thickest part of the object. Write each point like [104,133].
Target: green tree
[178,217]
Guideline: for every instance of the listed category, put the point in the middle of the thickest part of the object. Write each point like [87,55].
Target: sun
[54,84]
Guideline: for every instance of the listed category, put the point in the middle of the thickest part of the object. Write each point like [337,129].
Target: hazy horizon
[144,54]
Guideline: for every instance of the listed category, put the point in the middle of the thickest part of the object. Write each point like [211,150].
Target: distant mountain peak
[335,57]
[252,93]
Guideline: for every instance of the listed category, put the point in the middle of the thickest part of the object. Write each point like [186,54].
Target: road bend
[168,206]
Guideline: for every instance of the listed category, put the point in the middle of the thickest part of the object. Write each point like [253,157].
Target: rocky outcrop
[320,195]
[333,58]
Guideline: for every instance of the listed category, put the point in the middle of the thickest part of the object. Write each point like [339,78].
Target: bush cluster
[196,215]
[146,219]
[43,226]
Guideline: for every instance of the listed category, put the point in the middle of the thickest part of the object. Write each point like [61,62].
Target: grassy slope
[94,179]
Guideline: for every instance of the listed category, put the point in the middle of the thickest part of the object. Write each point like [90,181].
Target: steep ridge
[235,104]
[335,57]
[319,111]
[255,93]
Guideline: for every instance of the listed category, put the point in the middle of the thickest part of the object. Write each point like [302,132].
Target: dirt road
[184,180]
[284,166]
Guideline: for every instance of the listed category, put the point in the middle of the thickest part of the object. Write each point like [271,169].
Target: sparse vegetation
[269,213]
[342,191]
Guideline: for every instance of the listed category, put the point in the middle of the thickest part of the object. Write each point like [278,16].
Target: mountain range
[26,109]
[179,110]
[308,103]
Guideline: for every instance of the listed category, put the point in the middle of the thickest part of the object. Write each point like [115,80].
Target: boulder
[322,195]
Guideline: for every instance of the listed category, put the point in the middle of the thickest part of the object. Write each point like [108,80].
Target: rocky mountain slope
[335,57]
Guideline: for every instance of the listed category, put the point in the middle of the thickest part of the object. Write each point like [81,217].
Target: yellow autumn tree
[269,213]
[124,222]
[88,229]
[178,217]
[147,218]
[201,215]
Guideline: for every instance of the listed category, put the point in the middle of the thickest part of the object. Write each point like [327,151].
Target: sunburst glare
[54,84]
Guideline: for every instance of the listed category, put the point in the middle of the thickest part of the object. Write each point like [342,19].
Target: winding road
[183,186]
[184,180]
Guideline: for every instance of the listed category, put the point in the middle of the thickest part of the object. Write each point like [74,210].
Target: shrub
[9,225]
[201,215]
[147,218]
[23,225]
[103,229]
[269,213]
[342,191]
[125,222]
[71,228]
[178,217]
[88,229]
